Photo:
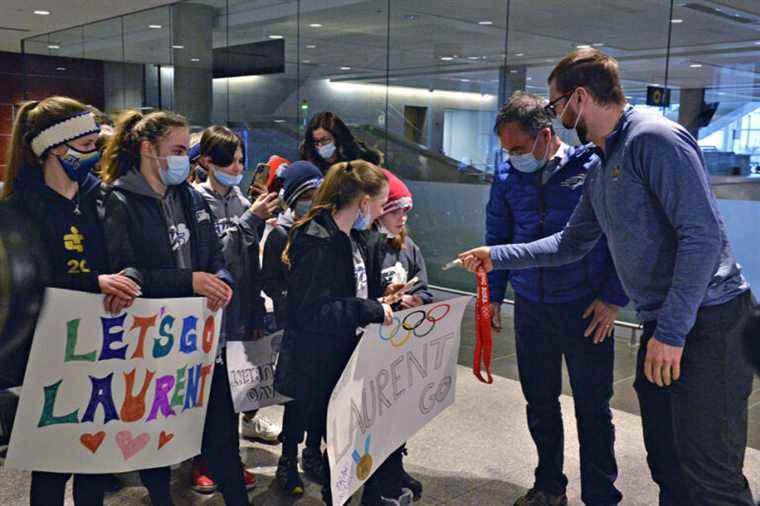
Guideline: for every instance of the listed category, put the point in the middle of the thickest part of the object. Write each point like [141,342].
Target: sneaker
[250,479]
[408,481]
[313,464]
[288,478]
[405,499]
[260,428]
[538,498]
[202,482]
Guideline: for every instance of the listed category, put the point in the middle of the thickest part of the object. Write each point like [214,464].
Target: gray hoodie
[174,214]
[239,230]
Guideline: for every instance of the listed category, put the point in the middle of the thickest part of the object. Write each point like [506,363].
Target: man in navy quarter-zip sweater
[566,311]
[651,198]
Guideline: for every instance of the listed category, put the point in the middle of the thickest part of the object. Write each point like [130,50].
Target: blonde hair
[344,183]
[32,118]
[122,151]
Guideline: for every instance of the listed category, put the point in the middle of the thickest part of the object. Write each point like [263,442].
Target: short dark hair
[527,110]
[593,70]
[220,143]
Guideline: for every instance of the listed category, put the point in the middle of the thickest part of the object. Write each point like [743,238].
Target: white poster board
[110,394]
[398,379]
[250,366]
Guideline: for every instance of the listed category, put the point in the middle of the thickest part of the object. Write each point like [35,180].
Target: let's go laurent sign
[105,393]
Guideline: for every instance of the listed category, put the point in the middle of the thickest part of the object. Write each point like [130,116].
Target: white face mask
[528,163]
[176,171]
[569,136]
[327,151]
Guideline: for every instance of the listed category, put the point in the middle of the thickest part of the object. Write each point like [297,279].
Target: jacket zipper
[541,218]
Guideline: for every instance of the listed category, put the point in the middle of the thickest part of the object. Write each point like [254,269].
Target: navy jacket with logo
[525,207]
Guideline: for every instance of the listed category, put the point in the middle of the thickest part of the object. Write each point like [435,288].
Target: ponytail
[122,151]
[343,185]
[33,118]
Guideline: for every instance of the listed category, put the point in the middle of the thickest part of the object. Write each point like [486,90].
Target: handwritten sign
[398,379]
[250,366]
[108,394]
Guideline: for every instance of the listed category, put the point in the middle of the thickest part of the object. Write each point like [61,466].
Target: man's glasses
[551,107]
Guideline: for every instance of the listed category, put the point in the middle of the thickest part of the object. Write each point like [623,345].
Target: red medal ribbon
[483,338]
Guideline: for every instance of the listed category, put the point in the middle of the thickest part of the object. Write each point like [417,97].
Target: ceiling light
[696,65]
[178,46]
[311,46]
[676,21]
[465,80]
[598,44]
[520,54]
[155,27]
[583,46]
[485,23]
[528,78]
[473,58]
[757,42]
[279,121]
[42,13]
[446,58]
[513,71]
[195,60]
[54,46]
[305,61]
[316,25]
[276,37]
[345,68]
[60,69]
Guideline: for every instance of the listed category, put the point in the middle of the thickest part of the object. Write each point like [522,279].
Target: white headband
[65,131]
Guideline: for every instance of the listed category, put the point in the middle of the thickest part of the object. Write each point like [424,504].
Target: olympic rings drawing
[414,324]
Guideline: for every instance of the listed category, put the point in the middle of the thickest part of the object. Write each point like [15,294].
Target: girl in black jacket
[300,182]
[156,223]
[328,141]
[47,181]
[333,289]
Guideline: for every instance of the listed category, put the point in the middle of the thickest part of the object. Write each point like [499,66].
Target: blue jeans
[545,333]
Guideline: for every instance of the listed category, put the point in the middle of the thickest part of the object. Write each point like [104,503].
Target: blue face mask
[77,164]
[327,151]
[363,221]
[227,179]
[176,171]
[528,163]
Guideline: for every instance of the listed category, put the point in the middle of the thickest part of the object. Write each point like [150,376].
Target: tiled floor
[505,364]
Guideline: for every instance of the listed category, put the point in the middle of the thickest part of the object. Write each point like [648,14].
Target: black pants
[295,421]
[695,430]
[221,443]
[545,333]
[158,482]
[48,489]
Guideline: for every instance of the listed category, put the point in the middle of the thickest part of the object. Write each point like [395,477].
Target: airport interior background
[421,80]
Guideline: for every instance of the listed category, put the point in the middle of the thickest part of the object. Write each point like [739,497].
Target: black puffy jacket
[323,310]
[137,236]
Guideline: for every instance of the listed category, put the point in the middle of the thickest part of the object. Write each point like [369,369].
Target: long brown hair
[122,151]
[32,118]
[344,183]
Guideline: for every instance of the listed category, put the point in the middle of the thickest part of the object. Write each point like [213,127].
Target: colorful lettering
[164,384]
[133,407]
[191,394]
[178,400]
[101,395]
[164,330]
[110,337]
[208,334]
[72,334]
[143,323]
[47,417]
[188,340]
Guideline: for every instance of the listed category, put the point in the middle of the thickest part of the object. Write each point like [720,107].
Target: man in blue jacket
[559,311]
[651,198]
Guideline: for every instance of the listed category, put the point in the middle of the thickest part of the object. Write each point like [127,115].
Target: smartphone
[410,284]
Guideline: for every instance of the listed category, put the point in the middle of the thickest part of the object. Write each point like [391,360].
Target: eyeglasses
[323,141]
[551,107]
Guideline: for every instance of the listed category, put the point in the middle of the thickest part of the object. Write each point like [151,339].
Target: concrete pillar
[192,41]
[511,79]
[691,103]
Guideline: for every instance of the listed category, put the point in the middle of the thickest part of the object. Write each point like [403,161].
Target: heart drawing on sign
[164,438]
[92,441]
[129,445]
